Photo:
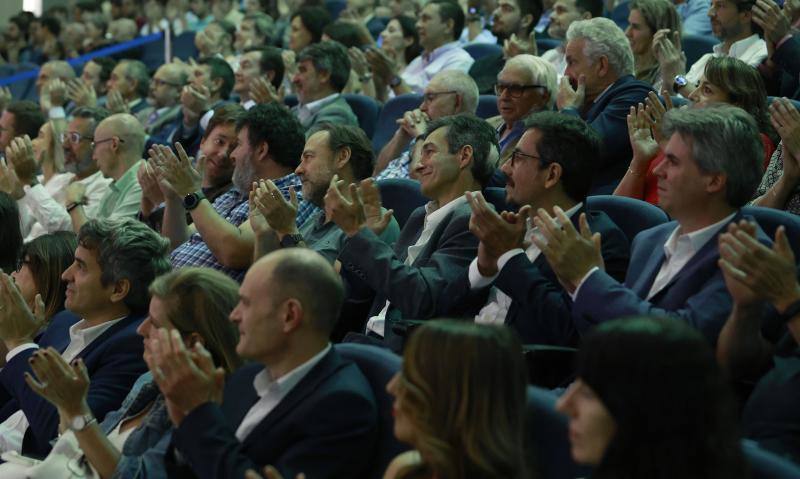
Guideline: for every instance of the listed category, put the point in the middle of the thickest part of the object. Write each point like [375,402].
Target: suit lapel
[123,323]
[410,233]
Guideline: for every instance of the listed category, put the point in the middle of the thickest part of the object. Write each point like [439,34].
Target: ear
[324,76]
[270,75]
[452,24]
[342,157]
[525,22]
[292,315]
[216,85]
[553,178]
[120,290]
[459,102]
[262,152]
[601,67]
[716,182]
[465,157]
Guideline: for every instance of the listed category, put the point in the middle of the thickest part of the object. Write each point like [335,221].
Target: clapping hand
[769,16]
[567,96]
[670,57]
[194,101]
[514,46]
[344,207]
[413,123]
[498,232]
[263,91]
[18,324]
[786,120]
[64,385]
[281,215]
[642,143]
[382,64]
[115,103]
[177,172]
[655,111]
[81,93]
[152,195]
[377,220]
[21,156]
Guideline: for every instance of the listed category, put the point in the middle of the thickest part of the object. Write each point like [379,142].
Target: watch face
[78,422]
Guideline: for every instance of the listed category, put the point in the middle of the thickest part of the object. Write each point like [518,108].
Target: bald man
[53,101]
[164,98]
[298,405]
[117,150]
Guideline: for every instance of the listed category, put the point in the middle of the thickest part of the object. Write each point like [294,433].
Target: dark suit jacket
[326,427]
[413,291]
[335,111]
[114,361]
[540,311]
[697,294]
[608,116]
[786,80]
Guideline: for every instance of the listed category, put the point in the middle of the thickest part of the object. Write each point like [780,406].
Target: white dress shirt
[751,50]
[558,58]
[449,56]
[433,217]
[39,216]
[496,309]
[12,430]
[272,391]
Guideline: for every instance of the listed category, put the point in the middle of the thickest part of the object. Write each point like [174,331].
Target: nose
[144,327]
[694,96]
[506,167]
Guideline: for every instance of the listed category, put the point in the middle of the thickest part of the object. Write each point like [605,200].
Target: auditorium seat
[767,465]
[695,46]
[183,46]
[480,50]
[487,106]
[366,110]
[769,219]
[392,110]
[544,44]
[497,197]
[631,215]
[378,365]
[401,195]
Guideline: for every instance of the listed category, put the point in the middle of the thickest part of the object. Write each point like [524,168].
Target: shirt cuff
[19,349]
[783,40]
[56,112]
[476,279]
[574,294]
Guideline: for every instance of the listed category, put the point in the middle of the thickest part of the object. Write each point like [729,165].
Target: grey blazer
[336,110]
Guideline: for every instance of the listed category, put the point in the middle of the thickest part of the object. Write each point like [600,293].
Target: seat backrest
[153,54]
[497,197]
[631,215]
[480,50]
[548,437]
[401,195]
[392,110]
[769,219]
[378,365]
[183,46]
[366,110]
[796,103]
[620,14]
[335,7]
[487,106]
[767,465]
[290,101]
[695,46]
[544,44]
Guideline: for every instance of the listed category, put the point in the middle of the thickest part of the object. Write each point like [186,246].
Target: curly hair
[276,125]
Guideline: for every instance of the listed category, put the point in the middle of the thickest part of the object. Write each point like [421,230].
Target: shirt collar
[435,214]
[696,239]
[737,48]
[127,178]
[436,53]
[314,106]
[264,384]
[87,335]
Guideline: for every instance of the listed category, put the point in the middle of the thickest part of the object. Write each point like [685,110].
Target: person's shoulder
[400,462]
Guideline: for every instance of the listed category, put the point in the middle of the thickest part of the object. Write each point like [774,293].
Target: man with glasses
[128,87]
[450,92]
[510,282]
[164,98]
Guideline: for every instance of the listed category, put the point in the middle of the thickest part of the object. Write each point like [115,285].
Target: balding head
[461,83]
[51,70]
[128,129]
[122,30]
[166,86]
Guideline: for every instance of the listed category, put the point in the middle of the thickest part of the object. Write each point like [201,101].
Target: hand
[57,91]
[9,183]
[377,220]
[195,100]
[753,272]
[413,123]
[382,64]
[289,63]
[769,16]
[152,195]
[655,112]
[18,324]
[263,91]
[115,103]
[186,378]
[269,473]
[76,193]
[669,55]
[82,94]
[20,154]
[257,220]
[514,46]
[569,97]
[643,145]
[497,234]
[281,215]
[5,97]
[358,61]
[177,171]
[344,207]
[570,253]
[65,386]
[786,120]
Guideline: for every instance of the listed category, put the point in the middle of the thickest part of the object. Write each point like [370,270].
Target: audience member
[400,42]
[227,10]
[565,12]
[91,89]
[72,36]
[306,27]
[435,245]
[199,15]
[106,297]
[10,235]
[122,30]
[155,19]
[778,187]
[713,166]
[450,92]
[18,119]
[781,68]
[269,142]
[127,87]
[647,17]
[163,98]
[215,40]
[263,63]
[255,30]
[550,166]
[322,420]
[599,87]
[694,16]
[650,401]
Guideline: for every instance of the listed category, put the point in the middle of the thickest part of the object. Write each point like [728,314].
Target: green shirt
[123,197]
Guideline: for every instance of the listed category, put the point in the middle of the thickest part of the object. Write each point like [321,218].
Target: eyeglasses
[429,97]
[517,155]
[73,137]
[97,142]
[159,83]
[514,91]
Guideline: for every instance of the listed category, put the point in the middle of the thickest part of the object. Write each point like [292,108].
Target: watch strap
[290,241]
[192,200]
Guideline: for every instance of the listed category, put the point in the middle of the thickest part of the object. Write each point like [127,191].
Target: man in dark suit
[509,282]
[299,406]
[600,88]
[435,245]
[712,166]
[106,299]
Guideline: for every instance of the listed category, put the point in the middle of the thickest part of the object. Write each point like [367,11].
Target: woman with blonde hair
[646,17]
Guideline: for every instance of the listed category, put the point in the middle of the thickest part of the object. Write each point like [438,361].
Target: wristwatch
[191,200]
[395,81]
[679,82]
[791,311]
[79,423]
[290,241]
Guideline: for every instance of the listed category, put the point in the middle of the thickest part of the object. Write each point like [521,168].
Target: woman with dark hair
[651,402]
[726,80]
[780,186]
[10,234]
[42,262]
[646,17]
[131,442]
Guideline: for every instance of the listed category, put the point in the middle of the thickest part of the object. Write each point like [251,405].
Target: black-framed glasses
[97,142]
[73,137]
[514,91]
[430,96]
[517,155]
[159,83]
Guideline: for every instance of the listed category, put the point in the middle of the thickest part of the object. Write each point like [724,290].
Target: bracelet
[76,204]
[634,173]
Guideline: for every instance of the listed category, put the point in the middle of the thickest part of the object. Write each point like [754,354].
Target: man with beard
[221,237]
[511,17]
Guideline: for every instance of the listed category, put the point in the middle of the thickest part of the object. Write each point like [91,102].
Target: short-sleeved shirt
[124,196]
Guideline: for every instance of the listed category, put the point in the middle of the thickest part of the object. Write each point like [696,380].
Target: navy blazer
[326,427]
[608,116]
[540,310]
[113,360]
[697,294]
[413,291]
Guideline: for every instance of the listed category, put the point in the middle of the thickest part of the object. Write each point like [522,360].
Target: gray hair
[724,139]
[137,71]
[466,129]
[464,85]
[604,39]
[541,72]
[330,56]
